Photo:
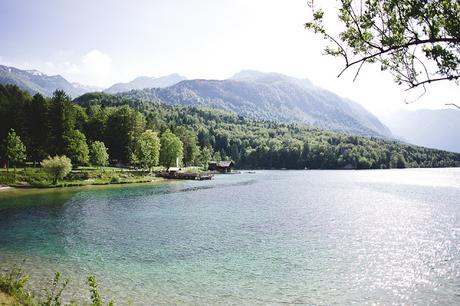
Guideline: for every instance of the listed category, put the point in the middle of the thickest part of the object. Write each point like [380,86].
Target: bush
[7,178]
[58,167]
[115,179]
[14,284]
[73,176]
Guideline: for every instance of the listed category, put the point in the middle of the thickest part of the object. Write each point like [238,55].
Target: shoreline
[14,192]
[71,184]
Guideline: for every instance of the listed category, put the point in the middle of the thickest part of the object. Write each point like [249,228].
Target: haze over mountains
[429,128]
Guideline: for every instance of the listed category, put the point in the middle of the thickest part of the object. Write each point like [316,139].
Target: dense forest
[58,125]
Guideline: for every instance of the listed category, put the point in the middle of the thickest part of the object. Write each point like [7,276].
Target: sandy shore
[3,188]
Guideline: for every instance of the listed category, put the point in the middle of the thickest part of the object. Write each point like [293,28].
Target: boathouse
[224,166]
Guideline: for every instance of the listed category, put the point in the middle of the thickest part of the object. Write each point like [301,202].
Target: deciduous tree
[417,41]
[190,143]
[98,155]
[76,147]
[124,125]
[15,149]
[171,149]
[147,149]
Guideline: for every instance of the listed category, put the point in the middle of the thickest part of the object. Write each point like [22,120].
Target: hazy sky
[100,42]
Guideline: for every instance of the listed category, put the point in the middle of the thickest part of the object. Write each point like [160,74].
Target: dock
[185,176]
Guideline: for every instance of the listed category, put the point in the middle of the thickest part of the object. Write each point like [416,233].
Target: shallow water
[274,237]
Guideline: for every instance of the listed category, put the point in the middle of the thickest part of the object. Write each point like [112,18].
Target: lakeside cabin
[224,166]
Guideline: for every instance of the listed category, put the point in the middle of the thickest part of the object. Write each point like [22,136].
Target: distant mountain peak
[143,82]
[268,77]
[35,72]
[254,75]
[34,81]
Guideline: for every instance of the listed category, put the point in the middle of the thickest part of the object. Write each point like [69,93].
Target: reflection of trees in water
[22,199]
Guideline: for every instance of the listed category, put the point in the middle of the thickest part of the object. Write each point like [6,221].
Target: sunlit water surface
[274,237]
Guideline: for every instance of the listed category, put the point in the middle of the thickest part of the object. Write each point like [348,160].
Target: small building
[224,166]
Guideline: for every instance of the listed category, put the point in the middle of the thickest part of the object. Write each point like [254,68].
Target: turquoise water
[274,237]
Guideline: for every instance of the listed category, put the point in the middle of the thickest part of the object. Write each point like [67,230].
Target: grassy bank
[37,178]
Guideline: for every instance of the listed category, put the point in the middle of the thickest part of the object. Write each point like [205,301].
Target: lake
[273,237]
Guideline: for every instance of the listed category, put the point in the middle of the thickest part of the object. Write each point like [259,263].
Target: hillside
[430,128]
[270,96]
[265,144]
[34,81]
[146,82]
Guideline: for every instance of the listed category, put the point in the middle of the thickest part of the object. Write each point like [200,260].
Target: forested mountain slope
[270,96]
[266,144]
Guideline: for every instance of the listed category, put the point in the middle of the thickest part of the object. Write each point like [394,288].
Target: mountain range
[146,82]
[262,96]
[429,128]
[270,96]
[34,81]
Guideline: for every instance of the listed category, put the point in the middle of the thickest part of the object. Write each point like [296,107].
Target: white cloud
[94,68]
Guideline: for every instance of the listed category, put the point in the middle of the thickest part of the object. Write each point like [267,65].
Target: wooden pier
[185,176]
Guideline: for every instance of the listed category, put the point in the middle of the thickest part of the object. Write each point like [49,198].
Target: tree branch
[453,104]
[393,48]
[447,78]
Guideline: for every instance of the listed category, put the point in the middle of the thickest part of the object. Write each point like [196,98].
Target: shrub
[14,284]
[58,167]
[115,179]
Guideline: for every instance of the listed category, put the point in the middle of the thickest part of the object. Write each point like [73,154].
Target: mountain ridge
[34,81]
[270,96]
[145,82]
